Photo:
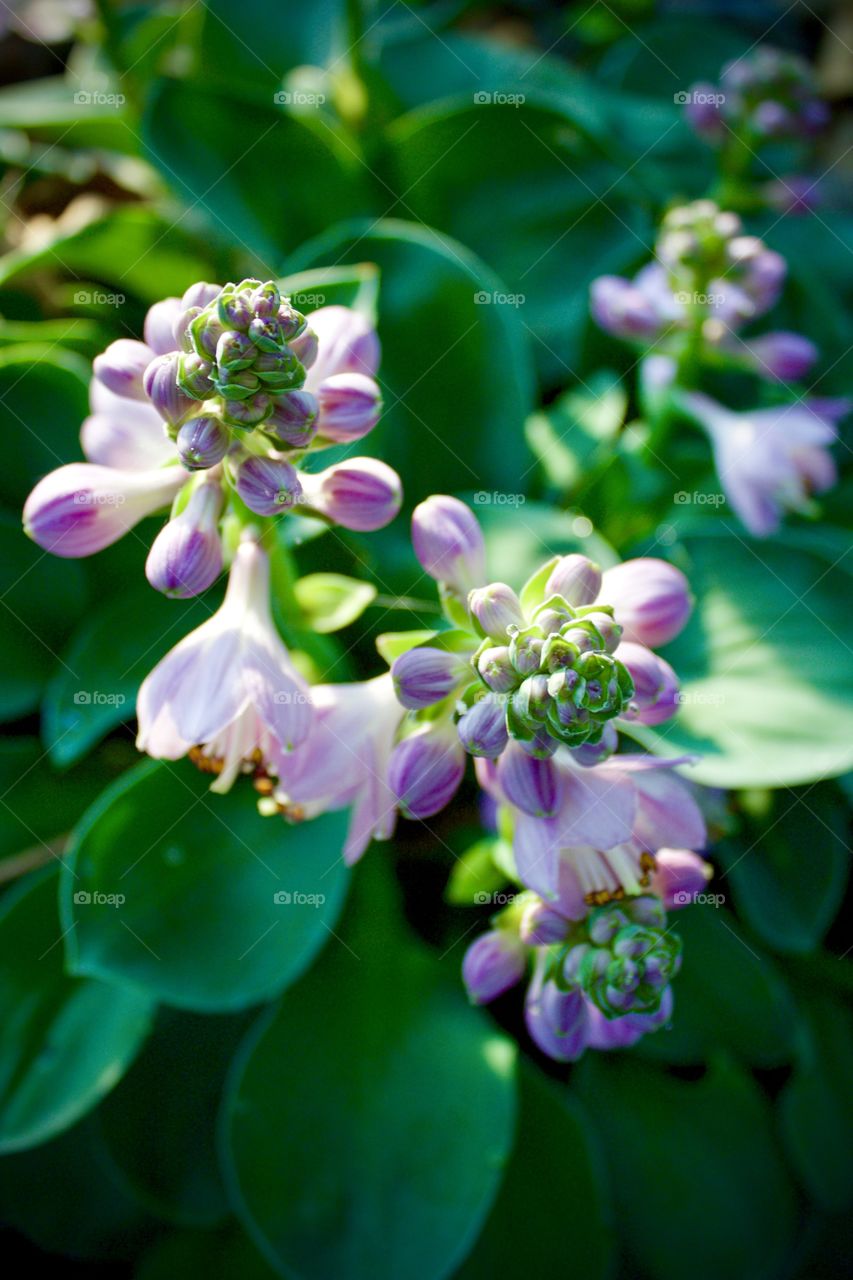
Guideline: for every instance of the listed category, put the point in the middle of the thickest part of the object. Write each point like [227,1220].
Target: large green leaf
[257,176]
[110,654]
[251,49]
[815,1106]
[554,1185]
[456,374]
[789,871]
[223,908]
[66,1041]
[172,1165]
[40,597]
[766,676]
[692,1162]
[43,400]
[134,250]
[204,1255]
[67,1197]
[38,804]
[365,1138]
[726,996]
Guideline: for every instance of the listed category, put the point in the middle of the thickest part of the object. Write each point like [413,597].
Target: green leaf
[788,900]
[726,996]
[133,249]
[251,50]
[44,397]
[356,286]
[815,1111]
[456,375]
[381,1155]
[553,1199]
[224,156]
[223,908]
[53,1069]
[39,804]
[393,644]
[109,656]
[475,875]
[67,1197]
[172,1165]
[40,598]
[574,437]
[685,1156]
[204,1255]
[332,601]
[767,682]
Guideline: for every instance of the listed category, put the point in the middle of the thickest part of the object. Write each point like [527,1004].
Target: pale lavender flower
[426,769]
[449,544]
[228,693]
[770,460]
[655,697]
[651,600]
[362,493]
[344,762]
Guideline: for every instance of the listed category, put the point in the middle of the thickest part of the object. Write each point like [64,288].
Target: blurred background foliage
[187,1087]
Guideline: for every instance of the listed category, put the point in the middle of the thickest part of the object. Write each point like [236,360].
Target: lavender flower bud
[592,753]
[122,367]
[702,111]
[622,309]
[362,494]
[306,349]
[782,356]
[482,728]
[234,351]
[293,420]
[541,925]
[194,376]
[680,875]
[556,1020]
[425,771]
[186,556]
[651,600]
[81,508]
[449,543]
[530,783]
[655,684]
[347,344]
[268,486]
[493,963]
[161,386]
[248,413]
[200,295]
[495,669]
[496,608]
[426,675]
[576,579]
[350,404]
[160,325]
[202,442]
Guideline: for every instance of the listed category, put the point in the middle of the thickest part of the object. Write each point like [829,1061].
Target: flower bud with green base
[622,956]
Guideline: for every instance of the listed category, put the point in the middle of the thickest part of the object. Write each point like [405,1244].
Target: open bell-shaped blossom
[344,762]
[770,460]
[228,693]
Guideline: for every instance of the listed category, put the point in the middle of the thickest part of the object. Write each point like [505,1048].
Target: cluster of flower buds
[768,93]
[708,281]
[598,982]
[556,666]
[214,413]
